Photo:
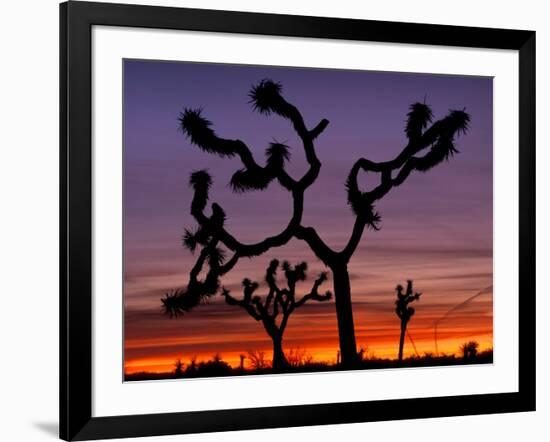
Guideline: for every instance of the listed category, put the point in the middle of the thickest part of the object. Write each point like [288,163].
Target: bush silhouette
[192,367]
[298,357]
[213,367]
[178,369]
[428,144]
[257,359]
[469,350]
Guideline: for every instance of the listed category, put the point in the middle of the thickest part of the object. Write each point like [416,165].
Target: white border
[112,397]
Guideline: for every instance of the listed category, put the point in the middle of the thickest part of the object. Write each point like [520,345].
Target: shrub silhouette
[469,350]
[404,312]
[274,309]
[213,367]
[257,359]
[192,367]
[178,368]
[300,361]
[426,147]
[298,357]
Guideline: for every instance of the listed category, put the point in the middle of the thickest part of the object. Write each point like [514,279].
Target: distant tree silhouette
[404,312]
[213,367]
[469,350]
[178,368]
[192,367]
[274,309]
[436,141]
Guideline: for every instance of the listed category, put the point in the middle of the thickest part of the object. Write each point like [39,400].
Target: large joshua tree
[274,309]
[436,143]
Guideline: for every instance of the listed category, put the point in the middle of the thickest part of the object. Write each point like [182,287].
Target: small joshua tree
[404,312]
[274,309]
[428,145]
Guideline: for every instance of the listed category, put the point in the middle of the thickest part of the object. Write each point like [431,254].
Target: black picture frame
[76,21]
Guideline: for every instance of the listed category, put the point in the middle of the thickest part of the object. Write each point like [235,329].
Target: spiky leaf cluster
[266,97]
[256,178]
[277,154]
[198,130]
[418,118]
[216,257]
[360,204]
[192,238]
[180,301]
[372,218]
[176,302]
[444,148]
[295,273]
[200,181]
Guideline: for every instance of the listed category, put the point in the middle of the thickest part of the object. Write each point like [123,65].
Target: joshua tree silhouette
[275,308]
[437,141]
[403,311]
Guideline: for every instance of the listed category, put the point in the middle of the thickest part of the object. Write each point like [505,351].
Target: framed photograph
[272,221]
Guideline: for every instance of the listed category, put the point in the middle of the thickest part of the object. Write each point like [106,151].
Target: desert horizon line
[328,354]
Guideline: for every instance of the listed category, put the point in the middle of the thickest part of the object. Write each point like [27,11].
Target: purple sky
[436,227]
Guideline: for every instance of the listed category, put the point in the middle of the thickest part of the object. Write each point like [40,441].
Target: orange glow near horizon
[166,363]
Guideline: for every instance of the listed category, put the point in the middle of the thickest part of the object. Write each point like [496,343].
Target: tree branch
[439,138]
[247,306]
[314,293]
[266,98]
[314,241]
[253,176]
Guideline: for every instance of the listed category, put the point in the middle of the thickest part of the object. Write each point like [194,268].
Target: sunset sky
[436,227]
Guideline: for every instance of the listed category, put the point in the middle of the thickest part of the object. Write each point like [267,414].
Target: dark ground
[216,367]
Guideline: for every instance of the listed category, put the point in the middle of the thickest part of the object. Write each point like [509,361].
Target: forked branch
[439,140]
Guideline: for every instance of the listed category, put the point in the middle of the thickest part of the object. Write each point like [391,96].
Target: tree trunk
[344,314]
[279,358]
[402,341]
